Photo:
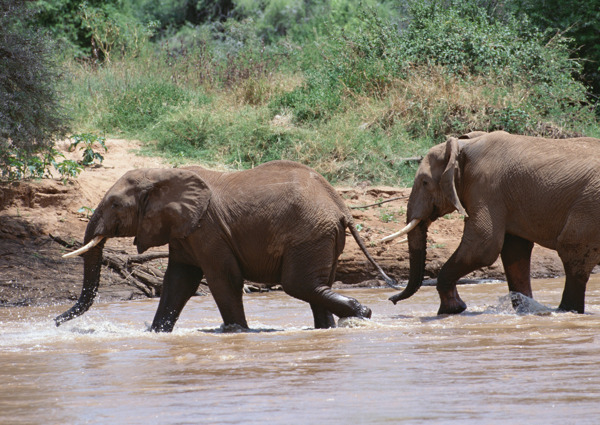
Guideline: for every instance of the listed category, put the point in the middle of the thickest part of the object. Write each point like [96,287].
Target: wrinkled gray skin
[280,222]
[517,191]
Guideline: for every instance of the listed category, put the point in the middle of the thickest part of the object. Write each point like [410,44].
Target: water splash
[355,322]
[515,302]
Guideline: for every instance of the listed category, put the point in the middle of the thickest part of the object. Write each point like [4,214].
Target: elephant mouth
[85,248]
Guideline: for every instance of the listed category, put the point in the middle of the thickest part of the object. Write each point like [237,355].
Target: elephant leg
[308,275]
[577,271]
[477,249]
[516,259]
[323,318]
[227,289]
[180,283]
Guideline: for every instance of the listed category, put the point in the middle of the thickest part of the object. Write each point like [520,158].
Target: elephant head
[153,205]
[433,195]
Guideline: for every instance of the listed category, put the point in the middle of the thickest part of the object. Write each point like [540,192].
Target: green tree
[577,19]
[31,118]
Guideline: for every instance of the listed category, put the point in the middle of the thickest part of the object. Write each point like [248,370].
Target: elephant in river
[514,191]
[279,223]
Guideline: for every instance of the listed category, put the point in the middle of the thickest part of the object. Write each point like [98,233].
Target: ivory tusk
[84,248]
[408,228]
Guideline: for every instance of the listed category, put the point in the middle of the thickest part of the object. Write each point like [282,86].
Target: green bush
[141,105]
[348,89]
[31,117]
[463,40]
[316,99]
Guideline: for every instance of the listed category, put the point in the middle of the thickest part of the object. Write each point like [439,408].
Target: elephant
[278,223]
[514,191]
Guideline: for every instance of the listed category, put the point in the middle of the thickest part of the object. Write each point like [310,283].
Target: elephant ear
[171,204]
[448,179]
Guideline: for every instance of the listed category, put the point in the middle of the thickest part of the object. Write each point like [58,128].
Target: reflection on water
[489,365]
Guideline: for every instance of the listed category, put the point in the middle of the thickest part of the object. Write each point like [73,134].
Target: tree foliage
[576,19]
[31,117]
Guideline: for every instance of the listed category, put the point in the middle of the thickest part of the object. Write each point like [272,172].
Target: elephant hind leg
[323,318]
[308,275]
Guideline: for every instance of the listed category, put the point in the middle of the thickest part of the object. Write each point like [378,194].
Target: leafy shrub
[31,118]
[184,133]
[462,40]
[140,105]
[316,99]
[88,141]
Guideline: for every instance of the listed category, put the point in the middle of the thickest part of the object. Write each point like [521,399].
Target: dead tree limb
[376,204]
[142,258]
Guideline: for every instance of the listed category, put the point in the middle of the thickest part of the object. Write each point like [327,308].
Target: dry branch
[131,268]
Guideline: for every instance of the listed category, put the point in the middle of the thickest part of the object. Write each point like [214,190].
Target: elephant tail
[388,280]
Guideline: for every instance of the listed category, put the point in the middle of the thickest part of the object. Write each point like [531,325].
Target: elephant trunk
[417,249]
[92,263]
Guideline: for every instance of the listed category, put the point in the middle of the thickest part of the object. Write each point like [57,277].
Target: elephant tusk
[404,231]
[85,248]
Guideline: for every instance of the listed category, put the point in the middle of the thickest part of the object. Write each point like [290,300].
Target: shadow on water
[237,329]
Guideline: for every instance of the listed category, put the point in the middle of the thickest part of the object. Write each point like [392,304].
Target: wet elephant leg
[323,318]
[477,249]
[308,274]
[577,271]
[180,283]
[516,259]
[573,297]
[227,288]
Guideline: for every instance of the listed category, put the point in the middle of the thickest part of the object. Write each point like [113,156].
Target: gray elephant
[280,222]
[514,191]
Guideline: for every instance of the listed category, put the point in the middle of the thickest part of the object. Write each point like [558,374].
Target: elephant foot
[233,328]
[450,303]
[564,307]
[452,309]
[162,326]
[365,312]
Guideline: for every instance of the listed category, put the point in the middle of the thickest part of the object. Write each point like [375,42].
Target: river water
[488,365]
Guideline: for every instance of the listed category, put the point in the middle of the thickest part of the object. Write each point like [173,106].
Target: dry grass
[433,103]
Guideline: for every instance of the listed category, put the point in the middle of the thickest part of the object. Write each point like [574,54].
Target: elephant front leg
[516,259]
[478,248]
[577,271]
[181,281]
[226,285]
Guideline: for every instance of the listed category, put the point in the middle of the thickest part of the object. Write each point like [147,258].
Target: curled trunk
[92,264]
[417,248]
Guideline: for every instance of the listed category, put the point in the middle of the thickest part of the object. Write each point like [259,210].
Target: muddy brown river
[489,365]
